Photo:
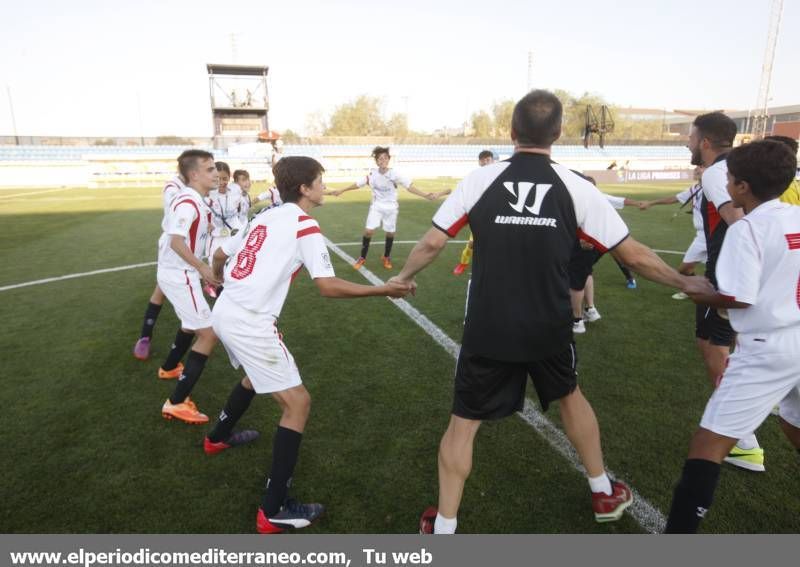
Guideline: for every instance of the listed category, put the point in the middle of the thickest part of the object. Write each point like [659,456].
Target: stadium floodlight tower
[760,120]
[239,102]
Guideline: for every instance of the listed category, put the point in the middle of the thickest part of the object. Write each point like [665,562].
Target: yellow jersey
[792,194]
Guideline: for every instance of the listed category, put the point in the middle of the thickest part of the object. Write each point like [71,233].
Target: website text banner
[394,550]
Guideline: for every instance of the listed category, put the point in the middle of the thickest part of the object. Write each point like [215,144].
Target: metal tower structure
[760,120]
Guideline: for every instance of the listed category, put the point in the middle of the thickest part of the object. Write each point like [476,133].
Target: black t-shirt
[525,214]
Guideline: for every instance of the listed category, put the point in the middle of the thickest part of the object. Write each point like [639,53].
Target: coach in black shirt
[526,213]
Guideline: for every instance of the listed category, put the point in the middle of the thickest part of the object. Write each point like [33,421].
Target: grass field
[86,450]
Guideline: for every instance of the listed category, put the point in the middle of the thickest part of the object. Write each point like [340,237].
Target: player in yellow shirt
[792,193]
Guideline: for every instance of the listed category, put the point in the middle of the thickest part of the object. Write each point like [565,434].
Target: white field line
[30,193]
[73,276]
[145,264]
[647,515]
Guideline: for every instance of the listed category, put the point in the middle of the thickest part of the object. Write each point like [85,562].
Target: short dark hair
[222,166]
[188,160]
[292,172]
[239,174]
[485,154]
[718,128]
[378,150]
[536,121]
[767,166]
[791,142]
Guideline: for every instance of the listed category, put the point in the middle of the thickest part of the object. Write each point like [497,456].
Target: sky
[113,68]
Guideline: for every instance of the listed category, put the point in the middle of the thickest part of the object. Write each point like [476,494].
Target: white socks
[748,442]
[444,525]
[600,483]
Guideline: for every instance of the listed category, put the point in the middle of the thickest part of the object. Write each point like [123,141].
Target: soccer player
[272,194]
[697,249]
[264,260]
[180,268]
[241,184]
[792,193]
[526,214]
[757,275]
[710,140]
[141,349]
[384,206]
[484,158]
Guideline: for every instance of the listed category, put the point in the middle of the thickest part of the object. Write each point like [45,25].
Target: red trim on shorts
[307,231]
[457,226]
[191,292]
[793,240]
[586,238]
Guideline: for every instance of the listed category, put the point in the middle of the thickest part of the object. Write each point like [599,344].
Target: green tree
[397,126]
[482,124]
[290,137]
[361,117]
[502,111]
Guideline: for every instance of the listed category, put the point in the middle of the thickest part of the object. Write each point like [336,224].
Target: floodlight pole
[13,118]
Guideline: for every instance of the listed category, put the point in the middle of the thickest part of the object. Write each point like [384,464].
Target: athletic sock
[179,347]
[285,449]
[444,525]
[625,271]
[387,249]
[748,442]
[693,496]
[150,316]
[195,363]
[238,402]
[365,245]
[600,483]
[466,255]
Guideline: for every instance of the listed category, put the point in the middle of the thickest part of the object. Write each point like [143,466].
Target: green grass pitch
[85,448]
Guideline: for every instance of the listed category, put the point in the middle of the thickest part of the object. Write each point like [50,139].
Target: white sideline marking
[145,264]
[647,515]
[73,276]
[29,193]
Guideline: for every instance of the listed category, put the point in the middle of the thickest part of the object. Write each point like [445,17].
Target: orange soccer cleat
[185,411]
[170,374]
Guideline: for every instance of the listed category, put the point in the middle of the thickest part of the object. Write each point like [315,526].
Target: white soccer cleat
[578,327]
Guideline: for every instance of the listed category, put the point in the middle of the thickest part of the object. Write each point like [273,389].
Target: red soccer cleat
[609,507]
[427,520]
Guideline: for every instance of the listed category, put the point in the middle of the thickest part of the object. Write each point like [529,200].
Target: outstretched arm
[644,261]
[663,201]
[425,252]
[343,289]
[350,187]
[178,244]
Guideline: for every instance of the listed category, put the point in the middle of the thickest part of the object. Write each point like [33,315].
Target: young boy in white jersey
[241,183]
[141,349]
[384,206]
[757,273]
[180,268]
[264,260]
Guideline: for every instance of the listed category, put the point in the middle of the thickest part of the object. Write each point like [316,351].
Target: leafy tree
[502,112]
[361,117]
[482,124]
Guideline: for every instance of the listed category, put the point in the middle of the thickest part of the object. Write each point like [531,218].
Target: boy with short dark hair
[758,274]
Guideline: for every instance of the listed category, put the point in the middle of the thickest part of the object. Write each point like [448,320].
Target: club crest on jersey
[521,192]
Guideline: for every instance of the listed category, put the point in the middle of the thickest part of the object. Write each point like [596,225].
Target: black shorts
[493,389]
[713,328]
[580,267]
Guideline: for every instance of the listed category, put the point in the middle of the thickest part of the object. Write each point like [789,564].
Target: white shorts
[763,371]
[215,242]
[182,288]
[697,250]
[385,214]
[252,341]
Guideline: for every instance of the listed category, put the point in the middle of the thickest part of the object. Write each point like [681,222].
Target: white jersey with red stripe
[226,211]
[265,258]
[760,265]
[273,195]
[384,185]
[695,193]
[187,216]
[171,188]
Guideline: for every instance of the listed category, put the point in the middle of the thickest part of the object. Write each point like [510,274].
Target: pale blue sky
[76,68]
